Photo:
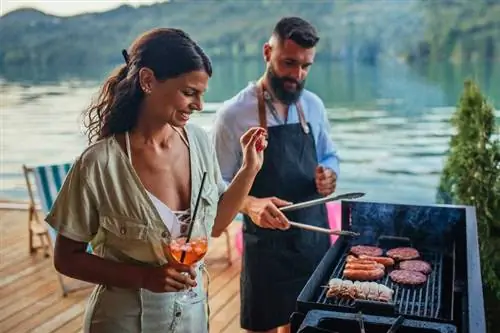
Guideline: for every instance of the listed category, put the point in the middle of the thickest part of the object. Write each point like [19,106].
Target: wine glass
[188,249]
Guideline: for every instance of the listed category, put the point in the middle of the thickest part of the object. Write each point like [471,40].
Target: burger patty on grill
[366,250]
[407,277]
[403,253]
[416,266]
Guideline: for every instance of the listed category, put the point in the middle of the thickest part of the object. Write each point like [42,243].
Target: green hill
[364,30]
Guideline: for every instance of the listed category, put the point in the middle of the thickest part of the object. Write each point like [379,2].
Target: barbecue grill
[451,300]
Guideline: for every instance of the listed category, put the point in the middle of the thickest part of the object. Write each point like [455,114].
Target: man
[300,164]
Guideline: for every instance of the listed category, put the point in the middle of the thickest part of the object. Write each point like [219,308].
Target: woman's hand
[168,278]
[253,143]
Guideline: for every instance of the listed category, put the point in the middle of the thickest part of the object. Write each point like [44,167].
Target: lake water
[389,122]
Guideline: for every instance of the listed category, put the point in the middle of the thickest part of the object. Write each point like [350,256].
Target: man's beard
[277,85]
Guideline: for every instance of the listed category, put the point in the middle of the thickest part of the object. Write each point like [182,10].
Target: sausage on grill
[387,262]
[364,275]
[359,266]
[350,258]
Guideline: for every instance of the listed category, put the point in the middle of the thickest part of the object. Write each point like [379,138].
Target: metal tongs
[351,195]
[324,230]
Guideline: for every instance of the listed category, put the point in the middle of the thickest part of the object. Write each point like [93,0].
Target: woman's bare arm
[233,199]
[71,259]
[253,143]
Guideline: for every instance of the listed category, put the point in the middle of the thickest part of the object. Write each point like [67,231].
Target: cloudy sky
[69,7]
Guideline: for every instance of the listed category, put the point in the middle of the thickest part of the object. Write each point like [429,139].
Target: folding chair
[48,182]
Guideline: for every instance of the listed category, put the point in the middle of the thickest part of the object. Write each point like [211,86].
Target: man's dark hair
[298,30]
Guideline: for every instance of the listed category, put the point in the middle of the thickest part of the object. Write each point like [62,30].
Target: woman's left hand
[253,143]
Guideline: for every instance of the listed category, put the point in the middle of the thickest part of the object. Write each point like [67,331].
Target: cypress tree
[471,176]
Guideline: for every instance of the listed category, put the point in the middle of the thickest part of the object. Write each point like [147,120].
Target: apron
[277,264]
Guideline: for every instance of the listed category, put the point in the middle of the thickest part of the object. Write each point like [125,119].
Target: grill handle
[396,325]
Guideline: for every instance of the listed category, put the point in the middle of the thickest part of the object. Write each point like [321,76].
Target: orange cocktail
[195,250]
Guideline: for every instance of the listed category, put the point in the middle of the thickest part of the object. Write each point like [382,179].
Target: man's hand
[326,180]
[264,212]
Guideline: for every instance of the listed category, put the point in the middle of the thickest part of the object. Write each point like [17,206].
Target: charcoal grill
[445,236]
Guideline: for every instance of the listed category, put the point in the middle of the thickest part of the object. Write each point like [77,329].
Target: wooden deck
[30,298]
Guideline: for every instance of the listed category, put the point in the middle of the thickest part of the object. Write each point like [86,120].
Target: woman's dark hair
[169,53]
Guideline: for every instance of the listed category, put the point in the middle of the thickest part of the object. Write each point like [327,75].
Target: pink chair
[334,217]
[334,220]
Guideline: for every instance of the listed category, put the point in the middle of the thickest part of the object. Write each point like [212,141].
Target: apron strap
[262,109]
[302,117]
[261,106]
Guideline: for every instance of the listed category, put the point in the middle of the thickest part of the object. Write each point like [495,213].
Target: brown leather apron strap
[302,117]
[261,106]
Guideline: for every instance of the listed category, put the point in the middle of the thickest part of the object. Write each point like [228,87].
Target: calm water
[389,123]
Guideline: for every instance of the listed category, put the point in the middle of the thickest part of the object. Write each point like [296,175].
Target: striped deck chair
[48,182]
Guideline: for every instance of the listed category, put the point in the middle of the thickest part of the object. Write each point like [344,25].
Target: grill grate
[421,301]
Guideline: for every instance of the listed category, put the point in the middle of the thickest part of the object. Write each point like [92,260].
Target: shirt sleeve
[227,147]
[221,183]
[74,213]
[327,154]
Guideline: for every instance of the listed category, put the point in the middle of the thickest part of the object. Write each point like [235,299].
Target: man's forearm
[233,200]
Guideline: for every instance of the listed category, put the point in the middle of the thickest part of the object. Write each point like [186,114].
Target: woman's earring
[146,91]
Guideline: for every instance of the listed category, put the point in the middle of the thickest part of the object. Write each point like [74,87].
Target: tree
[471,176]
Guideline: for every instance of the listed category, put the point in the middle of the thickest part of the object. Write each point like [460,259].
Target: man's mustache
[291,80]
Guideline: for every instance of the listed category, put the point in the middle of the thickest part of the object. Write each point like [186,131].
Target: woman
[146,160]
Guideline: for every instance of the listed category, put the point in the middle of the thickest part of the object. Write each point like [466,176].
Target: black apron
[277,264]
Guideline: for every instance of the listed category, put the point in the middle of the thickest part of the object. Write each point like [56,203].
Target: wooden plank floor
[30,299]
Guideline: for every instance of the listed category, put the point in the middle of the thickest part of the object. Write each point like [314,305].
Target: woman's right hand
[253,143]
[168,278]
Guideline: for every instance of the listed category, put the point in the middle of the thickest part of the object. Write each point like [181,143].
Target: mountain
[364,30]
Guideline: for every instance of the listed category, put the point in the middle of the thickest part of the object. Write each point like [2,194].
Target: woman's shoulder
[96,155]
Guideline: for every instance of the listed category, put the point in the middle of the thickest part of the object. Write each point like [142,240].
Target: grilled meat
[359,290]
[366,250]
[352,259]
[407,277]
[416,266]
[364,274]
[363,266]
[403,253]
[387,262]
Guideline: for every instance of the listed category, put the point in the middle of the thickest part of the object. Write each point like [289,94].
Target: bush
[471,176]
